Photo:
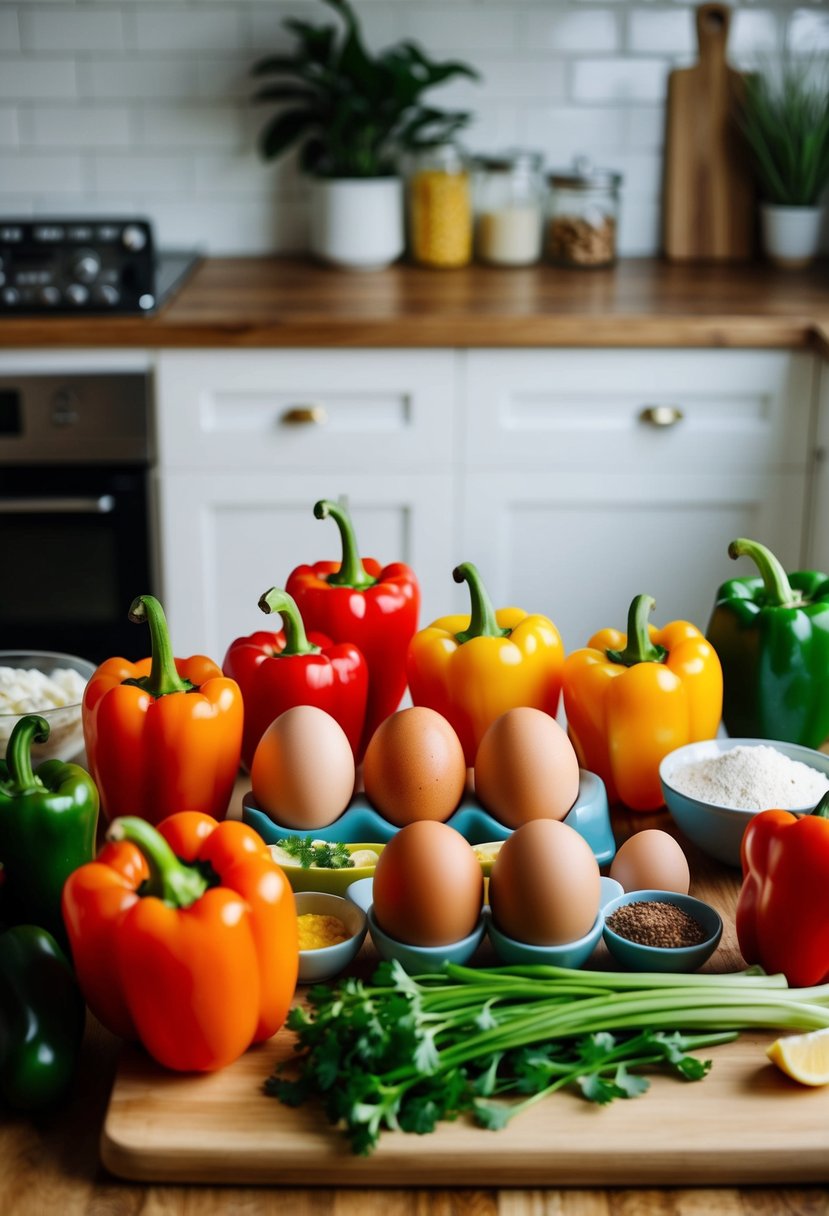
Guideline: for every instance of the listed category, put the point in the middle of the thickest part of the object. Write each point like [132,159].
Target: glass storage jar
[440,207]
[583,215]
[509,208]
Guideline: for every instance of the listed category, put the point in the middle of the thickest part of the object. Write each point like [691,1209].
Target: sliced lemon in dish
[804,1057]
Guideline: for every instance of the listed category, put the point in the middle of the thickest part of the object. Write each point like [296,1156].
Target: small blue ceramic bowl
[638,957]
[718,830]
[568,954]
[418,959]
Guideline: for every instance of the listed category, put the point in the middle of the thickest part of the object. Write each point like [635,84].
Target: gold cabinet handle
[305,415]
[661,415]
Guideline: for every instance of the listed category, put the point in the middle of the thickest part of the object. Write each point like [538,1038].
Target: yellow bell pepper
[631,699]
[474,668]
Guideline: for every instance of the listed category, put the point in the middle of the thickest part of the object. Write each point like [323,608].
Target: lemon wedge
[804,1057]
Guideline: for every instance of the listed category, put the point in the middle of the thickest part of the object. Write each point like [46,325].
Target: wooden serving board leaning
[708,203]
[743,1123]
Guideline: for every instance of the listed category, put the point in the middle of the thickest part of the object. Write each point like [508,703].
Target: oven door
[74,553]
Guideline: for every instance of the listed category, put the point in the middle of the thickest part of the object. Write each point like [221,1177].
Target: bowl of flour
[712,789]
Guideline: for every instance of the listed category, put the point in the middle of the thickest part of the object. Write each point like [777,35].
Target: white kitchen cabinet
[574,479]
[236,482]
[576,498]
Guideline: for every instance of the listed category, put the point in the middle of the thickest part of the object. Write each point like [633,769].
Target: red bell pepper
[162,735]
[276,671]
[783,907]
[357,600]
[184,936]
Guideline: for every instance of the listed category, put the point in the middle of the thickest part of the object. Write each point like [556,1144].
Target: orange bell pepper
[185,938]
[632,698]
[474,668]
[162,735]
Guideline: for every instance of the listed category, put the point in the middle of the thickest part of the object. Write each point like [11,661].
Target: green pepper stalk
[482,619]
[296,639]
[163,678]
[352,572]
[771,634]
[639,647]
[178,885]
[42,1015]
[48,821]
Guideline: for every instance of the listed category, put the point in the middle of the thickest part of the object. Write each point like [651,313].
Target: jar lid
[583,176]
[511,158]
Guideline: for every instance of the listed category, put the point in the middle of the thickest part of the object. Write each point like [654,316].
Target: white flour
[752,778]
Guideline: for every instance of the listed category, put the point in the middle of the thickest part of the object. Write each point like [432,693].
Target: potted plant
[352,114]
[784,116]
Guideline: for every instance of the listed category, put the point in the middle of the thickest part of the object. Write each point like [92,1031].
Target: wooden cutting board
[744,1123]
[709,200]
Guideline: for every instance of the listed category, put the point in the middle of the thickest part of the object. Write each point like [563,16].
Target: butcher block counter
[284,302]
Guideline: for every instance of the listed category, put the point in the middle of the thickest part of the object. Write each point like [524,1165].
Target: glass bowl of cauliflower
[50,684]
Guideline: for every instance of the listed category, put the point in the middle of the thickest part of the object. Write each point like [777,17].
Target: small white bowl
[65,740]
[328,961]
[718,830]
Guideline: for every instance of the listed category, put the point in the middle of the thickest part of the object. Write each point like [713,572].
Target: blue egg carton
[589,816]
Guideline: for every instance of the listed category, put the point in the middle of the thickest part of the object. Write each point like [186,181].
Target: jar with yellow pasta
[440,207]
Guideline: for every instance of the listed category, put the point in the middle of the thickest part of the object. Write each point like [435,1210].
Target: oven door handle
[103,505]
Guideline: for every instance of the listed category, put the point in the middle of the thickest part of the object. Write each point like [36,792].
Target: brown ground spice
[656,923]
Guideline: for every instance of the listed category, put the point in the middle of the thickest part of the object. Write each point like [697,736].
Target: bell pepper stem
[170,880]
[352,572]
[296,639]
[639,648]
[778,589]
[27,730]
[821,811]
[163,678]
[482,620]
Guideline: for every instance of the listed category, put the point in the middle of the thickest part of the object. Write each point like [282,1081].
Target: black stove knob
[105,293]
[86,265]
[77,294]
[11,296]
[49,295]
[133,238]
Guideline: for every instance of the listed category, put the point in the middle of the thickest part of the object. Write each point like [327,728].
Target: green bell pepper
[48,822]
[772,636]
[42,1014]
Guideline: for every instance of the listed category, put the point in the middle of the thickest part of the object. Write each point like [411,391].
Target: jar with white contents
[509,204]
[583,216]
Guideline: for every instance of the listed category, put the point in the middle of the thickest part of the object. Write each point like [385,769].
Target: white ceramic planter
[357,223]
[791,235]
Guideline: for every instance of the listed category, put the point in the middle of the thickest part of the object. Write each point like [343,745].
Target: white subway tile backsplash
[78,126]
[31,77]
[662,31]
[590,30]
[190,29]
[145,106]
[9,31]
[143,173]
[87,28]
[24,173]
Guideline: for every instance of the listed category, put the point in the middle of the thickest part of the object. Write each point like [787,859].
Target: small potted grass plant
[352,114]
[784,117]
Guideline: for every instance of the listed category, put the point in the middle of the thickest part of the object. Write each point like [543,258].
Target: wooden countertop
[51,1163]
[291,302]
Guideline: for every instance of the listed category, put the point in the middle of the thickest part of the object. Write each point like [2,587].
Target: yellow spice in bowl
[317,931]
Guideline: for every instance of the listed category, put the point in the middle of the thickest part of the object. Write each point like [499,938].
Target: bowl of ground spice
[331,932]
[712,789]
[661,931]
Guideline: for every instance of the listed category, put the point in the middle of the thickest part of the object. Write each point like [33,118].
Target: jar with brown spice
[582,216]
[440,207]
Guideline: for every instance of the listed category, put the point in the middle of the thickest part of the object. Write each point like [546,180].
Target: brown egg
[544,888]
[526,768]
[651,860]
[303,769]
[428,885]
[414,767]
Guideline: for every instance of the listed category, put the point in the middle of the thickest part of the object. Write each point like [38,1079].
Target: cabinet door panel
[580,549]
[312,409]
[227,537]
[567,409]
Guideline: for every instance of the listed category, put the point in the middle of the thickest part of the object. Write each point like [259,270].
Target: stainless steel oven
[75,530]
